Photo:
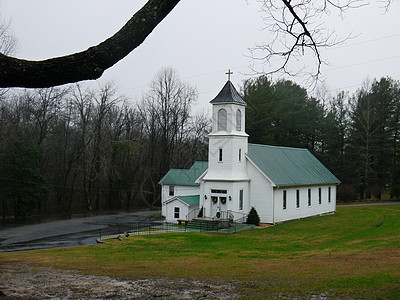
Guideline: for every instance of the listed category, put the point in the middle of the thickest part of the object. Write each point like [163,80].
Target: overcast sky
[200,39]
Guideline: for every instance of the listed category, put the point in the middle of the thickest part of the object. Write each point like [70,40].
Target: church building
[281,183]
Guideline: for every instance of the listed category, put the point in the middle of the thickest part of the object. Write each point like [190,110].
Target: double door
[218,205]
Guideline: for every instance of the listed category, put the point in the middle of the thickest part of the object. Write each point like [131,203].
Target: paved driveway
[368,204]
[65,233]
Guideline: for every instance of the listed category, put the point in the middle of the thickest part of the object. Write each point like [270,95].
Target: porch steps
[203,224]
[208,224]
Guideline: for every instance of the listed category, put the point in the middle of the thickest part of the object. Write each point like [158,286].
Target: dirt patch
[31,282]
[263,225]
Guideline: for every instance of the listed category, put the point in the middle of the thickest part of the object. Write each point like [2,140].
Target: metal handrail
[238,217]
[193,212]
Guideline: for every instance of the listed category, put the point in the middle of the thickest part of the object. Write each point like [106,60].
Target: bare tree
[8,44]
[8,41]
[166,111]
[105,100]
[299,30]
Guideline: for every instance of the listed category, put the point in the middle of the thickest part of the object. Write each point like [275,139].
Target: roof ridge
[284,147]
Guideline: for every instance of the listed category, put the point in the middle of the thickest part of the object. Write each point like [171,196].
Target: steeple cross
[229,73]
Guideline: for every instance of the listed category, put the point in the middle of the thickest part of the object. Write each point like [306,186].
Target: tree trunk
[91,63]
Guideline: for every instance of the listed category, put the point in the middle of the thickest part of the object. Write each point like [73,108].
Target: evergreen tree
[281,113]
[253,218]
[22,185]
[335,136]
[395,183]
[372,145]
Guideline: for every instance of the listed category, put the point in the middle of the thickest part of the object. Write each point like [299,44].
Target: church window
[240,154]
[309,197]
[222,120]
[297,198]
[240,199]
[238,120]
[284,199]
[219,191]
[319,196]
[220,155]
[171,190]
[176,212]
[329,194]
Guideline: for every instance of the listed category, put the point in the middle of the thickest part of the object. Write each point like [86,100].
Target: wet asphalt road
[71,232]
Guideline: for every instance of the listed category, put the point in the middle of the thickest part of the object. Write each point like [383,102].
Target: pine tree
[253,218]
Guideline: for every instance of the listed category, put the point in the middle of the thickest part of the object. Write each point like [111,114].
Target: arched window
[222,120]
[238,120]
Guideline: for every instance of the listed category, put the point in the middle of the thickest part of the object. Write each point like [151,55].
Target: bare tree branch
[91,63]
[299,31]
[8,42]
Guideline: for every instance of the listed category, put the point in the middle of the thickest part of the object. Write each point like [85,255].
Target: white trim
[259,170]
[227,133]
[228,180]
[175,198]
[201,177]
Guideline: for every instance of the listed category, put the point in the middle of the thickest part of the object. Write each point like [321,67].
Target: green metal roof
[290,166]
[185,176]
[190,200]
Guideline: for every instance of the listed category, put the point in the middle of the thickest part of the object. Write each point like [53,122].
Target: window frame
[329,194]
[241,196]
[238,120]
[284,199]
[177,210]
[216,191]
[222,120]
[319,195]
[171,190]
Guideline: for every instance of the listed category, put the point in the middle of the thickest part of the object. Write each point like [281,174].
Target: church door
[223,205]
[214,205]
[219,205]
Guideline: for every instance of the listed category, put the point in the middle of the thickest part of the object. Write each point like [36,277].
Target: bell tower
[225,186]
[228,139]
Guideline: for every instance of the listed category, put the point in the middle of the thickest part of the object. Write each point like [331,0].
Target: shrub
[200,214]
[253,218]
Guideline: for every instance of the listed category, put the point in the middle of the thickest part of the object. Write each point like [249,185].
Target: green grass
[354,253]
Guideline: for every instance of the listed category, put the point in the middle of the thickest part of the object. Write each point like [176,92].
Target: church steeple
[228,139]
[228,111]
[228,94]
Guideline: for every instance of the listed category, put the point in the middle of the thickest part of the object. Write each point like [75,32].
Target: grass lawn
[354,253]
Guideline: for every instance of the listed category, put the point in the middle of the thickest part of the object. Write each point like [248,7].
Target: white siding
[231,110]
[233,190]
[179,190]
[292,212]
[170,210]
[230,167]
[261,194]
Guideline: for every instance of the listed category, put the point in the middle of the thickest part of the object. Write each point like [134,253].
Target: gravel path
[29,282]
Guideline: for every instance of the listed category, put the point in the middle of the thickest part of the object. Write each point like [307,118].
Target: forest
[75,148]
[78,149]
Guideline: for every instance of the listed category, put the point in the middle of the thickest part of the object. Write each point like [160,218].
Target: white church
[281,183]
